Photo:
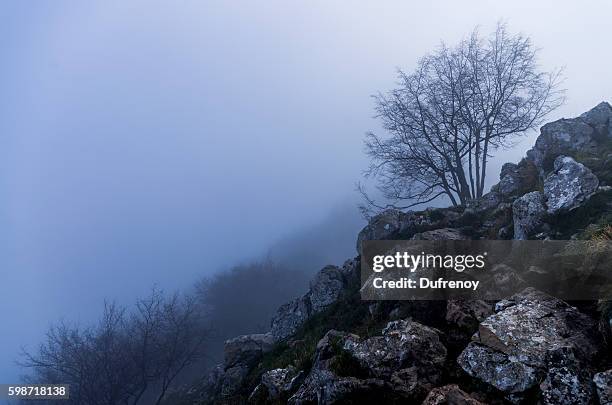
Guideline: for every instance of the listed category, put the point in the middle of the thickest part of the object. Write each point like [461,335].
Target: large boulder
[533,339]
[603,385]
[569,185]
[326,288]
[581,135]
[406,351]
[528,213]
[289,317]
[498,369]
[247,349]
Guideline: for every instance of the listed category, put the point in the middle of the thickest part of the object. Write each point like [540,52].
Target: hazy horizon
[146,143]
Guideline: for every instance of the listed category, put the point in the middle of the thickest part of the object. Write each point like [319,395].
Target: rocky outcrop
[569,185]
[528,213]
[529,348]
[533,339]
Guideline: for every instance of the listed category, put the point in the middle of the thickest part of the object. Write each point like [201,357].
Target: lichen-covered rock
[441,234]
[487,202]
[247,349]
[534,325]
[449,395]
[276,385]
[569,185]
[289,317]
[603,385]
[562,137]
[403,344]
[326,288]
[566,385]
[528,213]
[509,179]
[402,364]
[600,118]
[323,387]
[531,334]
[497,369]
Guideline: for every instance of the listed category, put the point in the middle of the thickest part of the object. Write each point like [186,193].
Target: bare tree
[125,359]
[445,119]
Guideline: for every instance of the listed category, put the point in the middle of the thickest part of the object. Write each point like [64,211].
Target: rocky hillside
[330,347]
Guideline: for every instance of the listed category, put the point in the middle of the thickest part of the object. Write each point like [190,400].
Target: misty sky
[145,142]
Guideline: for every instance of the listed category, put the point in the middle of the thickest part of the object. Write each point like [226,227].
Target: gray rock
[440,234]
[326,288]
[403,344]
[449,395]
[509,179]
[247,349]
[497,369]
[323,387]
[385,225]
[603,384]
[533,325]
[277,385]
[487,202]
[569,185]
[565,136]
[289,317]
[600,118]
[530,335]
[401,365]
[566,386]
[528,213]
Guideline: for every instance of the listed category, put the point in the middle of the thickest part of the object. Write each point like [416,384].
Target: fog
[148,143]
